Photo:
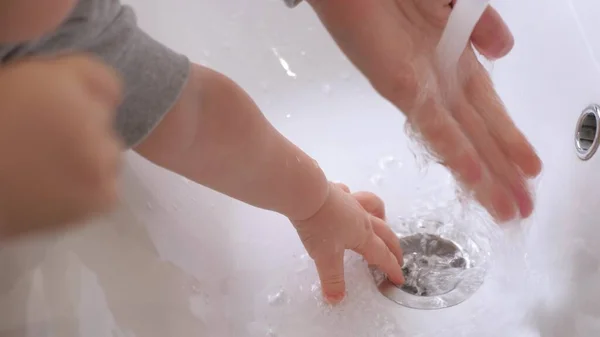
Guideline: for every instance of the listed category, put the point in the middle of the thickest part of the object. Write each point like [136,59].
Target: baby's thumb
[331,274]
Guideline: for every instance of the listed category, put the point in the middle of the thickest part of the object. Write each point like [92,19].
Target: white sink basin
[177,259]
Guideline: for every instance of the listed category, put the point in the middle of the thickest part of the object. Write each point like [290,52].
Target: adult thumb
[491,35]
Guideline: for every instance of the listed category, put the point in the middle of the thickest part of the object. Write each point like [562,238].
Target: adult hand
[59,154]
[393,42]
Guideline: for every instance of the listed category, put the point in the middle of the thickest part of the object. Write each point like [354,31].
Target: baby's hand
[59,155]
[349,221]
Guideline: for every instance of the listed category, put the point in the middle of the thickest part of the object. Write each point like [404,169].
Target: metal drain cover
[439,273]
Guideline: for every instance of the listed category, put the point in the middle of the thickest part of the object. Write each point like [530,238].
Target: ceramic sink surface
[176,259]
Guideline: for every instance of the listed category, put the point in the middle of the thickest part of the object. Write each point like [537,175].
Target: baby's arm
[217,136]
[22,20]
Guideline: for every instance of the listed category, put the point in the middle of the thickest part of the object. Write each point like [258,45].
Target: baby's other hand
[349,221]
[59,152]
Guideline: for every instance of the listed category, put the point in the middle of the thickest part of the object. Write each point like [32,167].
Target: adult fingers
[343,187]
[444,136]
[482,95]
[492,36]
[505,185]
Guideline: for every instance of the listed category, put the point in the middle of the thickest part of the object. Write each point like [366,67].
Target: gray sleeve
[153,74]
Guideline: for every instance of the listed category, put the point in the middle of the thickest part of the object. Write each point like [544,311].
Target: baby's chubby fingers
[387,235]
[331,275]
[99,80]
[371,203]
[377,253]
[343,187]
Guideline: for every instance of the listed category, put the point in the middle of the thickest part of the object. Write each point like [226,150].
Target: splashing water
[501,307]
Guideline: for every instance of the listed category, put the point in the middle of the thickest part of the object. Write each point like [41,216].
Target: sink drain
[439,273]
[432,265]
[586,132]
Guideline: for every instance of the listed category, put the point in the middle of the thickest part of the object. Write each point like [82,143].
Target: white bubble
[386,162]
[277,298]
[376,179]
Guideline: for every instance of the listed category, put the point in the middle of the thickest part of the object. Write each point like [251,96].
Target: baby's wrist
[308,209]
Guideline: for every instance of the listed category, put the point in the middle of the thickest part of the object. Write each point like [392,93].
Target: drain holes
[439,272]
[586,133]
[432,265]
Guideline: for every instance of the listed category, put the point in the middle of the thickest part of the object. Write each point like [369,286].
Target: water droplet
[284,64]
[271,333]
[206,53]
[326,88]
[149,205]
[345,76]
[288,116]
[303,52]
[376,179]
[315,163]
[386,162]
[175,207]
[297,159]
[277,298]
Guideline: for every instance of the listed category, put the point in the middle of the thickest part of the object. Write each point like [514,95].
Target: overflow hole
[586,134]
